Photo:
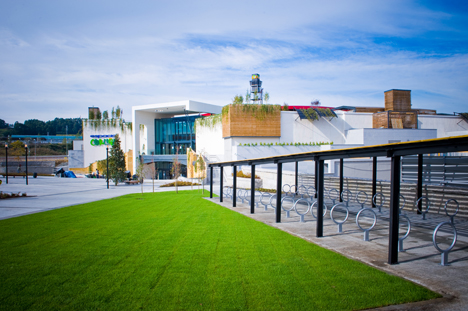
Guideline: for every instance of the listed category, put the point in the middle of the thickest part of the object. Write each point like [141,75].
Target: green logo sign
[102,140]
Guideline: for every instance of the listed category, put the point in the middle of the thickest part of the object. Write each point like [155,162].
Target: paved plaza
[420,262]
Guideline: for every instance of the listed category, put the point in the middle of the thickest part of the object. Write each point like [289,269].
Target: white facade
[94,152]
[348,130]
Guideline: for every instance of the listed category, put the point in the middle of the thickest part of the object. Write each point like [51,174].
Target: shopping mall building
[160,133]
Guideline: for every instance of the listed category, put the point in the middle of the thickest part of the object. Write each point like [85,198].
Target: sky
[59,57]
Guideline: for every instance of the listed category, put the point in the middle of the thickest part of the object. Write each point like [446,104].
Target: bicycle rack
[257,197]
[349,195]
[311,193]
[273,201]
[297,211]
[366,231]
[400,240]
[428,204]
[339,223]
[293,192]
[227,191]
[283,200]
[333,194]
[382,200]
[358,199]
[400,209]
[287,189]
[312,209]
[302,190]
[265,199]
[444,252]
[456,211]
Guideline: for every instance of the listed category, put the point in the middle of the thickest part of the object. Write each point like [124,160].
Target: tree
[105,115]
[201,166]
[140,171]
[267,97]
[117,162]
[175,169]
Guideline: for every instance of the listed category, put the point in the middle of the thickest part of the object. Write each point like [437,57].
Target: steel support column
[315,178]
[419,190]
[279,189]
[296,176]
[374,179]
[394,210]
[320,197]
[234,185]
[211,182]
[252,189]
[341,178]
[221,184]
[26,148]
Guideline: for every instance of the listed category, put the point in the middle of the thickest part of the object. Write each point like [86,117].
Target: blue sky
[57,58]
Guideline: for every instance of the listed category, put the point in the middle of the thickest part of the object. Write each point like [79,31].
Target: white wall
[95,153]
[210,140]
[445,125]
[369,137]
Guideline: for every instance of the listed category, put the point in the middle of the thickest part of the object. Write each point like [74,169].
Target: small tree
[267,97]
[116,162]
[175,169]
[238,99]
[201,166]
[140,171]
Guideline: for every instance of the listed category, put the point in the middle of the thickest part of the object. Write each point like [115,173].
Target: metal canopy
[439,145]
[395,151]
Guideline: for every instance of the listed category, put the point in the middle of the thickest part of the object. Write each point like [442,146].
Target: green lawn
[168,251]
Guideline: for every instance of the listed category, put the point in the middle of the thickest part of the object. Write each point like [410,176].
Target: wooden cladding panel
[238,123]
[406,119]
[398,100]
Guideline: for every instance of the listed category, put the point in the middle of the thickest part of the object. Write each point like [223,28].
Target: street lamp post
[107,161]
[26,150]
[6,162]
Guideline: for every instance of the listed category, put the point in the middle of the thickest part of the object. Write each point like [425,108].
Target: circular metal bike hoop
[286,188]
[349,195]
[333,194]
[382,200]
[456,211]
[265,199]
[434,236]
[409,227]
[227,191]
[359,214]
[306,202]
[292,189]
[428,205]
[365,198]
[247,195]
[316,203]
[311,192]
[287,199]
[302,190]
[273,201]
[333,209]
[404,203]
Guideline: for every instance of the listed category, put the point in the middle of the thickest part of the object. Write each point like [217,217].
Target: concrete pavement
[47,193]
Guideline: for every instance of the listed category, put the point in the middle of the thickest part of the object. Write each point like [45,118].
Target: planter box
[239,123]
